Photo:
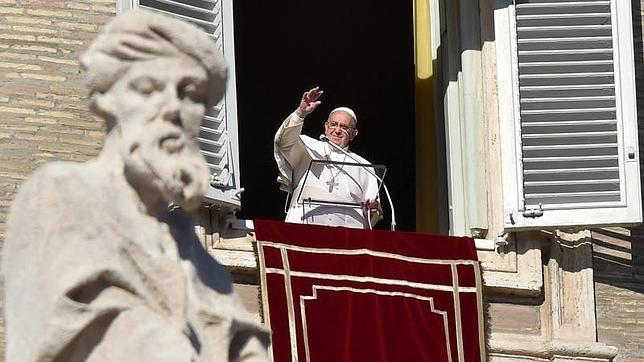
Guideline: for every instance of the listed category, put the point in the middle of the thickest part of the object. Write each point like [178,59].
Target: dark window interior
[361,54]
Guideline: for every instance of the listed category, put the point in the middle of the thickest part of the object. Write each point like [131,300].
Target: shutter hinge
[533,212]
[220,181]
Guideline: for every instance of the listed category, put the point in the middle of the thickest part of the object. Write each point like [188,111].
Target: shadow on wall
[637,234]
[618,253]
[618,257]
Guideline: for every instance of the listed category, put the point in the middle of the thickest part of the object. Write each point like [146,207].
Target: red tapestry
[338,294]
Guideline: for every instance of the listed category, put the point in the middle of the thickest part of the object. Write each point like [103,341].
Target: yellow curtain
[426,162]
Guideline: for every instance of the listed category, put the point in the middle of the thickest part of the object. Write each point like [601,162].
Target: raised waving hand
[309,102]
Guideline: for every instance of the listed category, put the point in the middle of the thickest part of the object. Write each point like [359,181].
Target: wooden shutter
[218,137]
[573,137]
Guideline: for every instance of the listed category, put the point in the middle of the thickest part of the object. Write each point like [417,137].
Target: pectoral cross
[332,184]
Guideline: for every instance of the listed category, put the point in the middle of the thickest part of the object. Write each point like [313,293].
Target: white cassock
[333,183]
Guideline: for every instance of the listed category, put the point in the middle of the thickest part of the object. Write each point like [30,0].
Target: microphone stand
[324,138]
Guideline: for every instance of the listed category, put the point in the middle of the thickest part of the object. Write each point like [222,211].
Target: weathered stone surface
[28,75]
[97,266]
[514,318]
[618,259]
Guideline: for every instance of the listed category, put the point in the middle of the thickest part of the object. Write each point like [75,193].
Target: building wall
[43,108]
[44,117]
[618,253]
[618,265]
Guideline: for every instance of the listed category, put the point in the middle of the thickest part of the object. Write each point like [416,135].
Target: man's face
[340,128]
[158,106]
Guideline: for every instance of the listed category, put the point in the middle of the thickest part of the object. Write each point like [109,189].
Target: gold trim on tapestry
[289,305]
[479,309]
[264,290]
[367,252]
[384,281]
[457,313]
[455,289]
[315,288]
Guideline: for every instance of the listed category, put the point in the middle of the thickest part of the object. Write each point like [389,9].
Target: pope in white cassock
[349,193]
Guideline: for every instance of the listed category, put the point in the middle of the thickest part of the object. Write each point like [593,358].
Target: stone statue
[96,266]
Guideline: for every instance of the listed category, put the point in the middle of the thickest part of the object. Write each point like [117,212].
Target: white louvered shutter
[569,129]
[218,137]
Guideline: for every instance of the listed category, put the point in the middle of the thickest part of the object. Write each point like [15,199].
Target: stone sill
[521,346]
[516,270]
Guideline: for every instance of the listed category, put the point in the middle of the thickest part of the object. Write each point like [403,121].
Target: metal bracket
[238,192]
[533,212]
[220,181]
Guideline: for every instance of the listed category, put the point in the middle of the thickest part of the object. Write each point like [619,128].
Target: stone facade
[618,265]
[43,108]
[44,117]
[618,253]
[42,96]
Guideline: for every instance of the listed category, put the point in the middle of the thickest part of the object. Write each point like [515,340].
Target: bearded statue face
[157,106]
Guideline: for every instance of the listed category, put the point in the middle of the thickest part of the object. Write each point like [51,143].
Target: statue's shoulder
[44,199]
[67,171]
[55,178]
[60,170]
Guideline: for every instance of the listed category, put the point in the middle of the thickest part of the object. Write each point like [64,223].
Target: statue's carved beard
[170,167]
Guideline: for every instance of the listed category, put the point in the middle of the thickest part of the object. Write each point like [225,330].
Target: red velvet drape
[338,294]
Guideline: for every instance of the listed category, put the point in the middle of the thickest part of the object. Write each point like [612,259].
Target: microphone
[326,139]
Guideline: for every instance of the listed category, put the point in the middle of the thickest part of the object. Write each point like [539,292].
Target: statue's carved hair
[140,35]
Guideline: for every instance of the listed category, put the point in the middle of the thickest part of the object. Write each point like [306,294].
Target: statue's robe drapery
[90,277]
[293,153]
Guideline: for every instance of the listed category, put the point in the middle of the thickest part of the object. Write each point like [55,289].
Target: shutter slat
[565,64]
[554,7]
[569,75]
[204,12]
[565,44]
[569,123]
[572,197]
[213,154]
[573,182]
[540,192]
[589,39]
[522,18]
[578,53]
[572,194]
[560,3]
[209,27]
[565,78]
[571,29]
[567,87]
[572,170]
[570,135]
[541,104]
[580,90]
[569,147]
[210,142]
[217,128]
[553,1]
[571,158]
[558,100]
[214,132]
[563,128]
[563,112]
